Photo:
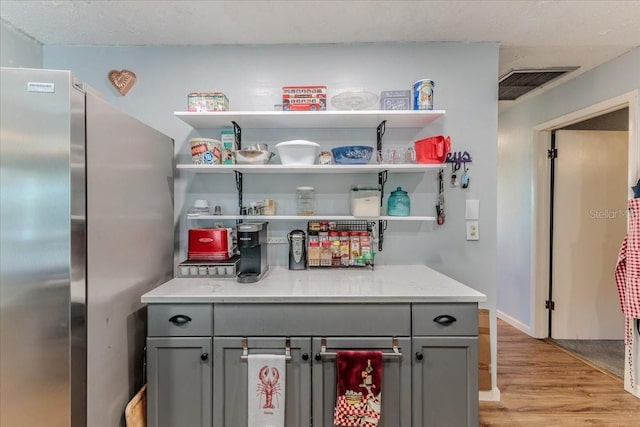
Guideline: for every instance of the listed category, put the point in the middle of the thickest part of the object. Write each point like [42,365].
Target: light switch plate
[473,231]
[472,209]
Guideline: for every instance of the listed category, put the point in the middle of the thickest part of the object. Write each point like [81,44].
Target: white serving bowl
[298,152]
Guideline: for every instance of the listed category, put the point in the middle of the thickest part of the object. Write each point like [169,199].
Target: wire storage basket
[340,244]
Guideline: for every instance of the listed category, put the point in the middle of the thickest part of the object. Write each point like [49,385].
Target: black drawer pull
[419,355]
[305,356]
[445,320]
[318,357]
[204,356]
[180,319]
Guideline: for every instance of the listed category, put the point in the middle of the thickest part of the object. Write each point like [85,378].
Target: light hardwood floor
[543,385]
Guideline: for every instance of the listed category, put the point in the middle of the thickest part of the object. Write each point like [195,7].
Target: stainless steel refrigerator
[86,227]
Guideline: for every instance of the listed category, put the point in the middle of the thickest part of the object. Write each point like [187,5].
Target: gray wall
[18,50]
[515,171]
[252,77]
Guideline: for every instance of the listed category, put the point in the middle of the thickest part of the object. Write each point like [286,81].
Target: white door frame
[541,193]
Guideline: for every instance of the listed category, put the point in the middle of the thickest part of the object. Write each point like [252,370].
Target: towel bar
[325,353]
[245,350]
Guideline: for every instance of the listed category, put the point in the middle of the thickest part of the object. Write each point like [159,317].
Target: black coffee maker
[297,250]
[252,242]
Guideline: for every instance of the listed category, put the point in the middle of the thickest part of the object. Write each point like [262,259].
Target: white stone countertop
[384,284]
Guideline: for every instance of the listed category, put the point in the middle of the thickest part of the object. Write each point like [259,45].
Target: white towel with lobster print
[267,378]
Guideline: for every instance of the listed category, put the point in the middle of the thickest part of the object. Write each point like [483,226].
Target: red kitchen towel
[359,388]
[627,271]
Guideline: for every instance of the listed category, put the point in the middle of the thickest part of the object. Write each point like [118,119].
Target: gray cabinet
[396,379]
[445,365]
[179,382]
[230,393]
[179,365]
[197,376]
[340,326]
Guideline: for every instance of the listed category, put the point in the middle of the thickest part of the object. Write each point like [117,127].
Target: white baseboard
[514,322]
[633,391]
[492,395]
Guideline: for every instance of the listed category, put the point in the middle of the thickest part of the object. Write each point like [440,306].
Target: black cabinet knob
[305,356]
[180,319]
[445,319]
[318,357]
[204,356]
[419,355]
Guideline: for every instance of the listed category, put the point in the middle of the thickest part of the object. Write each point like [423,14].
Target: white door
[590,221]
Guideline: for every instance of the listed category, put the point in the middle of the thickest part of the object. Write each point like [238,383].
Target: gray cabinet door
[396,379]
[445,381]
[230,385]
[179,382]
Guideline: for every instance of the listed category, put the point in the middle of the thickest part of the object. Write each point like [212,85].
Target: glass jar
[354,247]
[344,248]
[365,244]
[313,258]
[398,203]
[306,200]
[325,253]
[336,259]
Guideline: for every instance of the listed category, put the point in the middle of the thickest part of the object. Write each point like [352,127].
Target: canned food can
[205,151]
[423,94]
[325,158]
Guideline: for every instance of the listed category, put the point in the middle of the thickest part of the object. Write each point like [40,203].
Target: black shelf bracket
[237,132]
[379,135]
[382,179]
[382,226]
[239,188]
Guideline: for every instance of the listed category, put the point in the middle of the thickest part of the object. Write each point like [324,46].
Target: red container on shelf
[433,149]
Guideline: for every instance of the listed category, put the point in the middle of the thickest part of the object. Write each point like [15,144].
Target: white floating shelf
[310,119]
[310,169]
[310,217]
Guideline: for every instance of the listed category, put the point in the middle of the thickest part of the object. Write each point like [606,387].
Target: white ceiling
[531,34]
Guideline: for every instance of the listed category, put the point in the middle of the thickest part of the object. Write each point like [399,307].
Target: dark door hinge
[550,305]
[552,153]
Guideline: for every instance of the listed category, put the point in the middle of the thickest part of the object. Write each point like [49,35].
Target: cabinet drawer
[425,319]
[170,320]
[312,319]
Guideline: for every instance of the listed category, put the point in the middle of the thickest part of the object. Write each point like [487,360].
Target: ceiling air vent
[517,82]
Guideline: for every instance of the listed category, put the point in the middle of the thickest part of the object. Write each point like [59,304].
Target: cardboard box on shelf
[395,100]
[207,101]
[304,98]
[484,350]
[228,139]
